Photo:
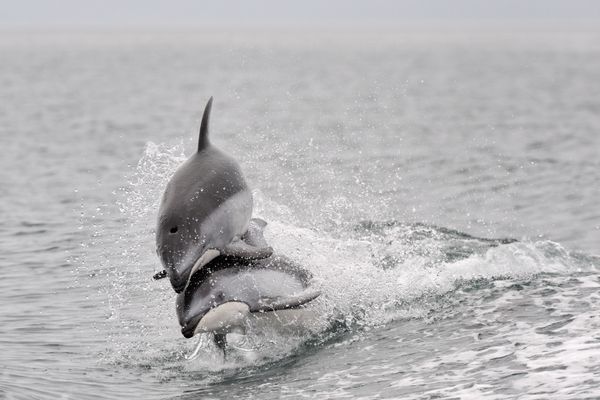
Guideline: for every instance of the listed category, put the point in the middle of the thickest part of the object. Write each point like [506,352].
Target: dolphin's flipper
[243,250]
[254,235]
[258,222]
[284,303]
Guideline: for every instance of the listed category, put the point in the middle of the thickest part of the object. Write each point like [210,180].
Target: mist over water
[442,190]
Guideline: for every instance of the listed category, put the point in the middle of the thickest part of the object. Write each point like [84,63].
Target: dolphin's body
[227,292]
[205,210]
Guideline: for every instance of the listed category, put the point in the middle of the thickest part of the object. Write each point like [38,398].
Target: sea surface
[443,189]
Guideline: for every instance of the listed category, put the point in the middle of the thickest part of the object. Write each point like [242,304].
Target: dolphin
[227,292]
[204,212]
[215,303]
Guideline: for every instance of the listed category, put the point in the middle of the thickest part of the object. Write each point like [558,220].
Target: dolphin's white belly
[229,221]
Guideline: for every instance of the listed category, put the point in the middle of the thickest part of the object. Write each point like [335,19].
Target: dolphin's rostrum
[205,210]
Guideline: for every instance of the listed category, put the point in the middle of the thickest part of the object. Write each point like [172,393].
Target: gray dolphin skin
[205,210]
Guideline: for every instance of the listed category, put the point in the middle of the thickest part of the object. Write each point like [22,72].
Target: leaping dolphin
[205,210]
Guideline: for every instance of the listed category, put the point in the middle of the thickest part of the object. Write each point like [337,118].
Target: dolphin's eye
[173,229]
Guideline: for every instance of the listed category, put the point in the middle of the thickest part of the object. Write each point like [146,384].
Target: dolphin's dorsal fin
[203,138]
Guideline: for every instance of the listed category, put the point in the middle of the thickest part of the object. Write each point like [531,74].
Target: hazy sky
[198,13]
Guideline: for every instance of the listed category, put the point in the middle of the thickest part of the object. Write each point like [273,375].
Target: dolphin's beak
[189,329]
[180,277]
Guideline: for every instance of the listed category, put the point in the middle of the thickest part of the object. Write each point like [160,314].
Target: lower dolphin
[221,297]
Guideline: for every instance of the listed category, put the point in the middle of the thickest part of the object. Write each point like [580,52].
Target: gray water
[389,164]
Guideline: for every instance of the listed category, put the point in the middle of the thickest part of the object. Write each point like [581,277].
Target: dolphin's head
[219,298]
[181,245]
[193,304]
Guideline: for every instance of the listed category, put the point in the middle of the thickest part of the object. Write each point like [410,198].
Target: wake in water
[370,274]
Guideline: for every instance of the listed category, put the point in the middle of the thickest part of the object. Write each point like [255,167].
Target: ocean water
[441,187]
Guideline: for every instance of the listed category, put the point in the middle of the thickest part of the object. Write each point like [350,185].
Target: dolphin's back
[203,183]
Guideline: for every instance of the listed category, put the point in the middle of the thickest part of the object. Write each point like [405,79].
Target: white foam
[353,283]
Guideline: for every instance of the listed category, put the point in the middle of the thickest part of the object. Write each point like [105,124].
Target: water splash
[370,272]
[201,345]
[381,270]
